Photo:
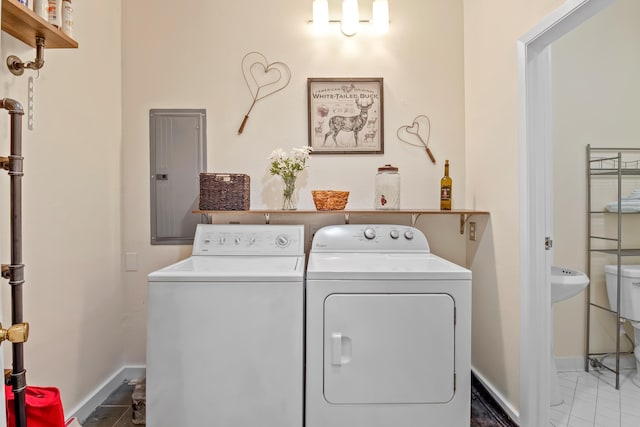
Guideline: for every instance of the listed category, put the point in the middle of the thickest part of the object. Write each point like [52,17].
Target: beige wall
[174,56]
[596,92]
[492,29]
[73,295]
[196,64]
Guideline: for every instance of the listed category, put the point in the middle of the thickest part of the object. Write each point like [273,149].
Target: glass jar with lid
[387,188]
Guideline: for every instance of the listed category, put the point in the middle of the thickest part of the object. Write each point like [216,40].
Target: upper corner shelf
[25,25]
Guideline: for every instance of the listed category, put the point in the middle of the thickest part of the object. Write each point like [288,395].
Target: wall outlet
[472,231]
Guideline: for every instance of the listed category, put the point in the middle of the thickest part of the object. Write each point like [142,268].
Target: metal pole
[16,269]
[587,359]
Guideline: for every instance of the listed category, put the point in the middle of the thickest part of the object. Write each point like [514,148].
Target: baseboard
[88,405]
[573,364]
[499,398]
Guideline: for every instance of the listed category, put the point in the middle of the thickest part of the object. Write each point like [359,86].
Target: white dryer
[225,330]
[388,331]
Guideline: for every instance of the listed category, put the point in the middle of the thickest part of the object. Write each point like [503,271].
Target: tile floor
[116,410]
[590,399]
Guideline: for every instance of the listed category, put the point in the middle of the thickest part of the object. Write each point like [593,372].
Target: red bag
[43,407]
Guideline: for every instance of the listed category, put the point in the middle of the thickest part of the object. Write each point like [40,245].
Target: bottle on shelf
[55,13]
[446,187]
[67,18]
[41,8]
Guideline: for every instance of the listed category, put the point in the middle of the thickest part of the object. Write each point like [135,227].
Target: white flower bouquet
[287,166]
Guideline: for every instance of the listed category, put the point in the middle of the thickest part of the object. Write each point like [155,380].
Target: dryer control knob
[408,235]
[222,240]
[282,241]
[237,240]
[394,234]
[369,233]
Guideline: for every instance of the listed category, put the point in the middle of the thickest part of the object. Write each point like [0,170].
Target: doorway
[536,192]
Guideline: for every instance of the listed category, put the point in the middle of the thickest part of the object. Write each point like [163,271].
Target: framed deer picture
[346,115]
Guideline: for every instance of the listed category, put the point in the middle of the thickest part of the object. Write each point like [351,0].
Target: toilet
[629,301]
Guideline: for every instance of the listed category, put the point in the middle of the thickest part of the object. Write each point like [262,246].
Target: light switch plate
[131,261]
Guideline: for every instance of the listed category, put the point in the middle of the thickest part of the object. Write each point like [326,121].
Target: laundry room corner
[73,294]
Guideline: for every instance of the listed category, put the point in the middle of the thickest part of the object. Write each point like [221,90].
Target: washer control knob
[394,234]
[237,240]
[369,233]
[252,241]
[408,235]
[282,241]
[222,240]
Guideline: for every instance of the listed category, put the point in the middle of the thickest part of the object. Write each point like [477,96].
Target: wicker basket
[224,192]
[330,200]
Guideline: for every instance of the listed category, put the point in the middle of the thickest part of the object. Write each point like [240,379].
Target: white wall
[73,295]
[189,57]
[491,31]
[595,101]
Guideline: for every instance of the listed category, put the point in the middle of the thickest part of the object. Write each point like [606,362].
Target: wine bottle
[446,184]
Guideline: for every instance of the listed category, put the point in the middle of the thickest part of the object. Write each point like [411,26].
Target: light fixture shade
[321,15]
[350,17]
[381,15]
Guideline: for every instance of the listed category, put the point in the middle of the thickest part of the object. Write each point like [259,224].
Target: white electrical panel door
[389,348]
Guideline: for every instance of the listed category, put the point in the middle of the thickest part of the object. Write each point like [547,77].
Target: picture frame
[346,115]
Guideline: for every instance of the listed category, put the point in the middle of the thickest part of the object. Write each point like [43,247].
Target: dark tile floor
[485,412]
[116,410]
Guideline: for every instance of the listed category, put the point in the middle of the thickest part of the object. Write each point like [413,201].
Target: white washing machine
[225,330]
[388,331]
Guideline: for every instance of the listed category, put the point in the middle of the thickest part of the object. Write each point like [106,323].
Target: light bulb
[350,17]
[321,15]
[381,15]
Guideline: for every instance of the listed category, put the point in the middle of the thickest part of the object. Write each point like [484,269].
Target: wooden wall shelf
[464,214]
[24,24]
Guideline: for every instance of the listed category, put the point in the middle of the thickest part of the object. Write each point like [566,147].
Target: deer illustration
[349,123]
[319,128]
[370,136]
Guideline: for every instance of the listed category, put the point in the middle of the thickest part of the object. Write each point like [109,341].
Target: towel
[628,204]
[635,195]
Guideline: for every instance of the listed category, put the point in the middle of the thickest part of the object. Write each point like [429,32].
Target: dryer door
[389,348]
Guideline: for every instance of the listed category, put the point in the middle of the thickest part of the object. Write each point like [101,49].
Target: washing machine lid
[233,269]
[383,266]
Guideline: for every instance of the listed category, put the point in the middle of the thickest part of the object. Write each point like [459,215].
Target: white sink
[566,283]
